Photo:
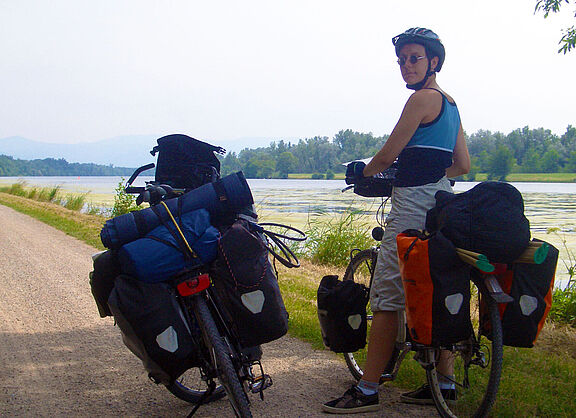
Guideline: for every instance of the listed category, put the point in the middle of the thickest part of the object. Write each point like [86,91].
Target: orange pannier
[437,288]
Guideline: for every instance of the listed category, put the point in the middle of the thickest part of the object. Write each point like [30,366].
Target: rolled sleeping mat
[225,196]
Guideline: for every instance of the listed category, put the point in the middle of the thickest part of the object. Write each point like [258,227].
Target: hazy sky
[77,71]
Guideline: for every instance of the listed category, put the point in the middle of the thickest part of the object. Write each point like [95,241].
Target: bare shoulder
[428,101]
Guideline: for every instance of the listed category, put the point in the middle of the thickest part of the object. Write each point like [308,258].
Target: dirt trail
[59,358]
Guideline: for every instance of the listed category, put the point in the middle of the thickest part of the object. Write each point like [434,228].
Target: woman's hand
[354,172]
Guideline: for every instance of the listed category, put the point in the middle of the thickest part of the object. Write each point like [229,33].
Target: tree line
[521,151]
[12,167]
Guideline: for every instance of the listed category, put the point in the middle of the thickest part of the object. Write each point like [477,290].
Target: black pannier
[531,286]
[245,283]
[185,162]
[487,219]
[106,269]
[153,328]
[342,314]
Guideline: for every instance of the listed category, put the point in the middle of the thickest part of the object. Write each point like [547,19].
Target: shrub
[563,308]
[123,202]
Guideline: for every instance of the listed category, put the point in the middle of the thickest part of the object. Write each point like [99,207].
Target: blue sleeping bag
[161,253]
[226,196]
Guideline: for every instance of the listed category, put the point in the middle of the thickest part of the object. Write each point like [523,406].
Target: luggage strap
[181,234]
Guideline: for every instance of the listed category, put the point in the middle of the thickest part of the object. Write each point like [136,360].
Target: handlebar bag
[342,314]
[246,285]
[531,286]
[152,327]
[436,287]
[185,162]
[162,253]
[487,219]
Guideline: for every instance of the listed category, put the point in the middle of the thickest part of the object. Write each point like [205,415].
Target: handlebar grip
[134,189]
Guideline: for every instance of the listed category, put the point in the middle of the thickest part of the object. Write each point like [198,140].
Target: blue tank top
[428,154]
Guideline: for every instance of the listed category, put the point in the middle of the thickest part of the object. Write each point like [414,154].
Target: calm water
[546,204]
[292,202]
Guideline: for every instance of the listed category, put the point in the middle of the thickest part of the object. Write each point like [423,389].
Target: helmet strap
[418,86]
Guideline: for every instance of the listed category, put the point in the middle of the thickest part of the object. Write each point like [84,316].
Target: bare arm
[460,157]
[420,106]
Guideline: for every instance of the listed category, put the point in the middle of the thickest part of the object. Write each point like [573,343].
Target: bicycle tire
[476,384]
[189,387]
[360,270]
[221,358]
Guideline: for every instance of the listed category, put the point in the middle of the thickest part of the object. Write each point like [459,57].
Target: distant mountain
[121,151]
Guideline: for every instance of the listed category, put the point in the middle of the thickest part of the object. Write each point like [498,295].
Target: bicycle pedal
[258,384]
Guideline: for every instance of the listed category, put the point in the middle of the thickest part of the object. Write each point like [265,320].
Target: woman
[429,143]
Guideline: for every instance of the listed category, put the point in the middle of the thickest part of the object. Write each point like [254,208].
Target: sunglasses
[412,58]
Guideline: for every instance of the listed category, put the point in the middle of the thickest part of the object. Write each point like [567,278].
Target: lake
[293,202]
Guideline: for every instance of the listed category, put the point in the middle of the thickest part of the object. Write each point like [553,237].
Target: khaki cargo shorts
[409,207]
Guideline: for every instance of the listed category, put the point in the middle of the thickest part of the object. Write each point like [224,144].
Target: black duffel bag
[342,314]
[487,219]
[246,285]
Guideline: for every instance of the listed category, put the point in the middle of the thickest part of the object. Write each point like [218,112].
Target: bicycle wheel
[190,387]
[360,270]
[220,352]
[477,365]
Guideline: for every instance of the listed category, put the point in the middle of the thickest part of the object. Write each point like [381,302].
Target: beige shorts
[409,207]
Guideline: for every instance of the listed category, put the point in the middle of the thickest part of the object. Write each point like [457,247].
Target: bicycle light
[194,285]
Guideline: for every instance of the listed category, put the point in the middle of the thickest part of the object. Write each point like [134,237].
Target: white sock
[367,388]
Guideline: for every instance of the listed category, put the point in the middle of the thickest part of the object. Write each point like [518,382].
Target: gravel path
[59,358]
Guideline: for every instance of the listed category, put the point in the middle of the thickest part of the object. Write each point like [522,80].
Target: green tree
[550,161]
[501,163]
[531,162]
[568,40]
[570,166]
[286,163]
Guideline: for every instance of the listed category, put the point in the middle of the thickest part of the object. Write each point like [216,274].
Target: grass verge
[535,382]
[81,226]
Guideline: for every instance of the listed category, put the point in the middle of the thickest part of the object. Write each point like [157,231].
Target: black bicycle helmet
[430,41]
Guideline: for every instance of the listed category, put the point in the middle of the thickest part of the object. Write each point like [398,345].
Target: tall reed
[330,241]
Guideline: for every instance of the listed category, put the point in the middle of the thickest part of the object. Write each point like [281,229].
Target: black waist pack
[342,314]
[153,327]
[245,283]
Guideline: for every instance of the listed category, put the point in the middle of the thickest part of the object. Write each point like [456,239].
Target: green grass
[535,382]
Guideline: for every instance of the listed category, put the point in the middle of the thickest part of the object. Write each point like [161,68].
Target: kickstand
[203,398]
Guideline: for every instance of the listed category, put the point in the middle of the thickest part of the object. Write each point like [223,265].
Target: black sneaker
[423,396]
[352,402]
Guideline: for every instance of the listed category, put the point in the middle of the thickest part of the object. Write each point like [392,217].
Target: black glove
[354,172]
